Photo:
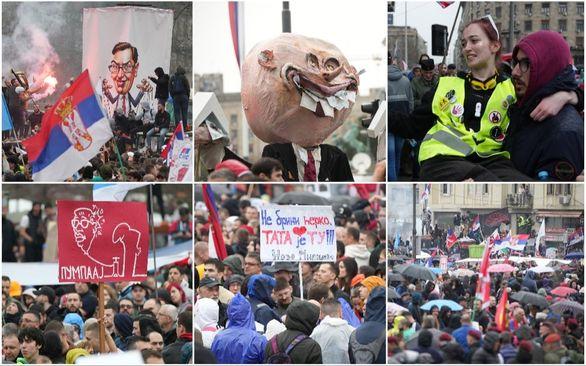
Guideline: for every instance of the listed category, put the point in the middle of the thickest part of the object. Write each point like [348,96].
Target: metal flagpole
[153,241]
[300,282]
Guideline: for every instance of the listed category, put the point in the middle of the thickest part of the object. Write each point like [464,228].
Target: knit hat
[548,53]
[475,334]
[371,282]
[235,166]
[524,353]
[357,279]
[552,338]
[427,65]
[445,337]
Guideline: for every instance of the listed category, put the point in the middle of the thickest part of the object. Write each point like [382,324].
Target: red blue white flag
[215,233]
[72,132]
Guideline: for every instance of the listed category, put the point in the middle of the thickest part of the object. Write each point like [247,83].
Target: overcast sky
[422,14]
[357,28]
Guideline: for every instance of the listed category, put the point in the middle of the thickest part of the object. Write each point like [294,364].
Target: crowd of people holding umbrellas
[534,312]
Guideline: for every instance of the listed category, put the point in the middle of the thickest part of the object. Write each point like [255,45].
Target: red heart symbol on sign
[300,230]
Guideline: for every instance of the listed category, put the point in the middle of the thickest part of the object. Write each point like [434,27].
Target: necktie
[309,175]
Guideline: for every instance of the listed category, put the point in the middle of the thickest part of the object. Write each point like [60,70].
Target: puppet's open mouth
[318,95]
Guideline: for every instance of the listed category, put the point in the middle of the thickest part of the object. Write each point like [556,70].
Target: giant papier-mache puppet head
[297,89]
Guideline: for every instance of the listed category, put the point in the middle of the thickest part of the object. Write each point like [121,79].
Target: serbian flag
[426,192]
[72,132]
[483,284]
[168,148]
[236,13]
[215,227]
[451,239]
[500,317]
[445,4]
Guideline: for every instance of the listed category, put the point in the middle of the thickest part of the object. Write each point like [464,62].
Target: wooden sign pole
[102,329]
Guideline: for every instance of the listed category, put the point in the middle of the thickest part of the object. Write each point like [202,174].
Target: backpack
[279,356]
[365,353]
[177,85]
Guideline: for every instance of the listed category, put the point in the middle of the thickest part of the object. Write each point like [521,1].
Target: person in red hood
[549,148]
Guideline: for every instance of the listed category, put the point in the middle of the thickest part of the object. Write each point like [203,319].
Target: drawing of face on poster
[120,54]
[106,240]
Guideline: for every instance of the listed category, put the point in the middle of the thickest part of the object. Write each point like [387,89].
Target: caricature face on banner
[297,233]
[122,46]
[102,241]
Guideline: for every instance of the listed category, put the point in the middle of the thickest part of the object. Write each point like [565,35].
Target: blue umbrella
[575,255]
[454,306]
[437,270]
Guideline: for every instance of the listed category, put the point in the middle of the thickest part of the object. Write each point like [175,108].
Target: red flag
[451,239]
[501,312]
[215,228]
[483,284]
[445,4]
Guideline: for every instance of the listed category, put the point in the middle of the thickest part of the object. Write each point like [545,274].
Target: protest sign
[297,233]
[102,241]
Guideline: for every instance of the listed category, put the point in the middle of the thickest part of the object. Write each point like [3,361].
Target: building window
[550,189]
[545,24]
[528,26]
[545,9]
[580,9]
[498,11]
[564,9]
[487,11]
[485,189]
[567,189]
[445,189]
[579,25]
[580,42]
[563,25]
[529,10]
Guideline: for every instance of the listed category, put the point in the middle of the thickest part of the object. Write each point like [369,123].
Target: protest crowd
[249,311]
[506,307]
[142,137]
[46,320]
[59,324]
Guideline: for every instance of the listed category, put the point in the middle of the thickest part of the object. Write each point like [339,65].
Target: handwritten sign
[297,233]
[102,241]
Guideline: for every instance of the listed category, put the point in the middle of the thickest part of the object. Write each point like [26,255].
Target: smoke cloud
[27,46]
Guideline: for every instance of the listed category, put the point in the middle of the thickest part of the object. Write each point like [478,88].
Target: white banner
[297,233]
[122,46]
[180,161]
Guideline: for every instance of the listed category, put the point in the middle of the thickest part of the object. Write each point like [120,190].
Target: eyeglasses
[115,67]
[489,18]
[524,64]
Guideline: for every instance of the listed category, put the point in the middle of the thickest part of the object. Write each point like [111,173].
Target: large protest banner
[102,241]
[122,46]
[297,233]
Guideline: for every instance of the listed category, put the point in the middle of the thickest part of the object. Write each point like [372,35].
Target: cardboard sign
[297,233]
[102,241]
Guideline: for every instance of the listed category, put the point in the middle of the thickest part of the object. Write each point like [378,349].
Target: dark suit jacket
[334,165]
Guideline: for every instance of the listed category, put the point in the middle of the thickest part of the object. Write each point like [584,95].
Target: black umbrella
[561,306]
[395,277]
[530,298]
[301,198]
[392,294]
[416,271]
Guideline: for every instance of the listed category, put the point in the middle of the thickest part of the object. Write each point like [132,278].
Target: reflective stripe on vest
[449,137]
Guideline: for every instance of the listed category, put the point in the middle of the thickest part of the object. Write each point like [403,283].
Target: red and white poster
[102,241]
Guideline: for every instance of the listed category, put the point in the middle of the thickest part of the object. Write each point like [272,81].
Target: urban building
[561,205]
[416,45]
[527,17]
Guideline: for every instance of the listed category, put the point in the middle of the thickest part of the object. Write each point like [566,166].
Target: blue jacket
[348,313]
[259,292]
[375,321]
[239,342]
[460,336]
[529,282]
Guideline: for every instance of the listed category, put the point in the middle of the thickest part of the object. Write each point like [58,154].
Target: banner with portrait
[122,46]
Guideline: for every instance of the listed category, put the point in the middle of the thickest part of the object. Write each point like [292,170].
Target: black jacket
[555,145]
[302,318]
[334,165]
[162,119]
[162,90]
